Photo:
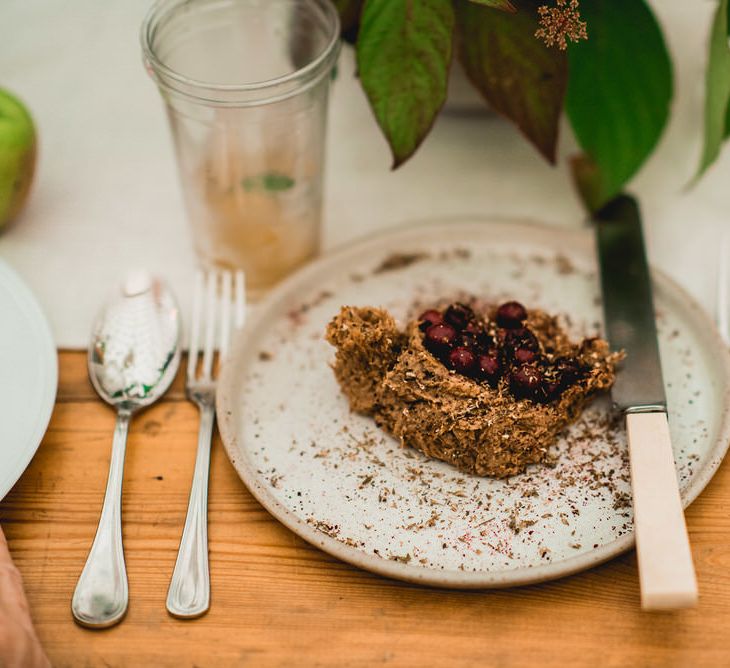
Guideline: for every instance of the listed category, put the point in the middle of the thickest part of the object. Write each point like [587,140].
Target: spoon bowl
[133,358]
[135,352]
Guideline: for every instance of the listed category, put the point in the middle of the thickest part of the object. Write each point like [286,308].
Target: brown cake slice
[488,394]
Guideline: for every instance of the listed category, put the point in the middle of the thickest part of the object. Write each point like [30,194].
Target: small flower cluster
[561,23]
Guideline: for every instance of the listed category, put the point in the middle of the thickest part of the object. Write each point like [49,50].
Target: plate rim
[49,361]
[521,575]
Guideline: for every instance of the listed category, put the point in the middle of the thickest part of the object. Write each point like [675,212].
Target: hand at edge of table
[19,645]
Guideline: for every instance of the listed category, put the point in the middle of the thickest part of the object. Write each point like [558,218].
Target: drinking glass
[245,84]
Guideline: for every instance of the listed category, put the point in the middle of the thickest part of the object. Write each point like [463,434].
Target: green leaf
[727,113]
[618,96]
[269,181]
[403,57]
[717,89]
[518,75]
[504,5]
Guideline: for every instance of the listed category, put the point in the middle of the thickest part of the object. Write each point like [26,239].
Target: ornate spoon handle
[101,595]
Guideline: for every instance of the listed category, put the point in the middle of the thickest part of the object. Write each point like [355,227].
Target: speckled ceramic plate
[336,480]
[28,376]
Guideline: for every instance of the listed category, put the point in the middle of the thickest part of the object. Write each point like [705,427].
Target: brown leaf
[516,73]
[349,11]
[588,181]
[504,5]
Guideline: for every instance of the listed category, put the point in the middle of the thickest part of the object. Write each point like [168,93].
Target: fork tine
[240,312]
[210,309]
[225,332]
[195,325]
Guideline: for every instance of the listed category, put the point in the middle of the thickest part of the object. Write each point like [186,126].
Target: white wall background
[106,196]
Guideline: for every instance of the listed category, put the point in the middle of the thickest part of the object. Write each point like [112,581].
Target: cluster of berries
[490,351]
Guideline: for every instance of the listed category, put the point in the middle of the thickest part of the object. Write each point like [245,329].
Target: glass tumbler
[245,84]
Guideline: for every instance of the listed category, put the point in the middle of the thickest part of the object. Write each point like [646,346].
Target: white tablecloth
[107,199]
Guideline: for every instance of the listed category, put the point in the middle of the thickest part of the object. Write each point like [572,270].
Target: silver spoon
[133,358]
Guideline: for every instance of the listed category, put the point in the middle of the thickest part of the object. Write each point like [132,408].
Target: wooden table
[279,602]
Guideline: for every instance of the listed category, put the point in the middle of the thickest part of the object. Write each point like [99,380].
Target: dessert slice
[488,392]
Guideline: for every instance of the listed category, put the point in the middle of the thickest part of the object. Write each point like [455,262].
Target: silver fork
[189,592]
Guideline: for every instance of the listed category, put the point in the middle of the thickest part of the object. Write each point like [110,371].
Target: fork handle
[189,592]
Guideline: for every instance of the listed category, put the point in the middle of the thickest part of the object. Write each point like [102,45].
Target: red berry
[490,368]
[474,327]
[458,315]
[466,341]
[521,338]
[463,361]
[443,334]
[525,380]
[511,315]
[439,339]
[568,372]
[550,390]
[428,318]
[524,356]
[479,335]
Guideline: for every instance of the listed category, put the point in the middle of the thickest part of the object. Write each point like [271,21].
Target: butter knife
[666,571]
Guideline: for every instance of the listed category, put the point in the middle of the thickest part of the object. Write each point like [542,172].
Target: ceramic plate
[339,482]
[28,377]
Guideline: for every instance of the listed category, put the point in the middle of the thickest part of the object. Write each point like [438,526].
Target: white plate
[28,377]
[336,480]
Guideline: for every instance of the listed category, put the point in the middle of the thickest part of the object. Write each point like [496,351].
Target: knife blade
[665,560]
[628,306]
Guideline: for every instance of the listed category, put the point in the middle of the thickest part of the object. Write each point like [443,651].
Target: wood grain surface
[276,601]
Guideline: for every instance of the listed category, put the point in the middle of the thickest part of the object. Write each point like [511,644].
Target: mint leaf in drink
[268,181]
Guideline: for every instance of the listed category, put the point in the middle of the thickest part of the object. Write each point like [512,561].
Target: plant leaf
[727,113]
[349,11]
[588,181]
[618,95]
[717,89]
[518,75]
[403,57]
[504,5]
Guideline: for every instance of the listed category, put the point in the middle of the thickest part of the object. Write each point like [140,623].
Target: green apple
[17,156]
